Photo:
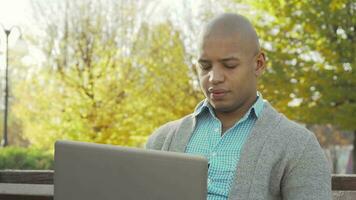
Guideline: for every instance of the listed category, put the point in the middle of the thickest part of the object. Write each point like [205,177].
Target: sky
[14,12]
[186,15]
[18,13]
[13,15]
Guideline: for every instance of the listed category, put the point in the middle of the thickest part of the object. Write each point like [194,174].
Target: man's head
[230,61]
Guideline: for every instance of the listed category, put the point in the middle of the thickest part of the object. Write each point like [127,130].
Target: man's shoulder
[296,139]
[287,128]
[164,133]
[294,130]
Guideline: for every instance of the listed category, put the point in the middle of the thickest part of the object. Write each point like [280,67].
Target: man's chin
[220,106]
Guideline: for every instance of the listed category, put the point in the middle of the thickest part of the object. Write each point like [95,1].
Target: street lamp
[7,32]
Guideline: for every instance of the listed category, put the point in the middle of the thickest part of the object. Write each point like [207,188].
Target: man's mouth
[217,93]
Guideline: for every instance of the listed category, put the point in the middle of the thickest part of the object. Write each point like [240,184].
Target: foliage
[310,47]
[25,158]
[96,86]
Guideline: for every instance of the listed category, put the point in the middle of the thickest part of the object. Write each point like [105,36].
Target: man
[254,152]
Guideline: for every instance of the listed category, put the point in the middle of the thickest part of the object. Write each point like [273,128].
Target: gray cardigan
[279,160]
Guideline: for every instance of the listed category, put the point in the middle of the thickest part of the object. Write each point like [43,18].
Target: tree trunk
[354,154]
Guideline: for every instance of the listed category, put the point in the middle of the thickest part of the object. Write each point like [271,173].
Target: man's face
[227,73]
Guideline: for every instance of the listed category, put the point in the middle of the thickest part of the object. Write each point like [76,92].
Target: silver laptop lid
[88,171]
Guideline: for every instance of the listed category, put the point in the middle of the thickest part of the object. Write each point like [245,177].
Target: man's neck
[229,119]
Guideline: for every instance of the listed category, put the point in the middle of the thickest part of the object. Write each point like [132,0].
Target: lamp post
[7,32]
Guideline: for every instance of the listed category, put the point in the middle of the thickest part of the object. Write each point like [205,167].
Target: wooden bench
[38,185]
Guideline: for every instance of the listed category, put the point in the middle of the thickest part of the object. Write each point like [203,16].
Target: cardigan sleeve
[156,140]
[161,138]
[309,175]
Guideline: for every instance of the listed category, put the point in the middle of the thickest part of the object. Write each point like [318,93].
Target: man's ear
[260,63]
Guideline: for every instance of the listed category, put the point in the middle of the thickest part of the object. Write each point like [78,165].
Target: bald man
[254,152]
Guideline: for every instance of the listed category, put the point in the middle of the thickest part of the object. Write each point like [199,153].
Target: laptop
[88,171]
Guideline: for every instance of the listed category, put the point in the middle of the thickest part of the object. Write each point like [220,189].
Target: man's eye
[230,65]
[204,66]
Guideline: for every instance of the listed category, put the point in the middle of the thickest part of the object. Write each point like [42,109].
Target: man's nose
[216,75]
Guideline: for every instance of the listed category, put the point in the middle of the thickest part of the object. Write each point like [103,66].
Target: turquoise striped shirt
[222,152]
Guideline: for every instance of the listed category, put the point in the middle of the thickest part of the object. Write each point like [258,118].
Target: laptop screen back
[88,171]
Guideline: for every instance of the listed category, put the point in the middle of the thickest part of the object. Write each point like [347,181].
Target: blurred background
[111,71]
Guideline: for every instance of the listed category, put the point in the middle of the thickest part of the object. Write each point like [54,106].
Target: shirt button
[216,130]
[213,154]
[209,181]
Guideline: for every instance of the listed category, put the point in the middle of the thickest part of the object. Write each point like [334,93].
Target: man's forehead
[232,39]
[216,54]
[224,47]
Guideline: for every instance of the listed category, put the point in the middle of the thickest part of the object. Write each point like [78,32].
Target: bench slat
[21,197]
[38,185]
[344,182]
[26,189]
[27,176]
[344,195]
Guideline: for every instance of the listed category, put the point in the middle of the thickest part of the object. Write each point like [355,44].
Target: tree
[105,79]
[311,51]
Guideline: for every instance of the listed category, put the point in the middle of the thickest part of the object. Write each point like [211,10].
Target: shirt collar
[258,105]
[256,108]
